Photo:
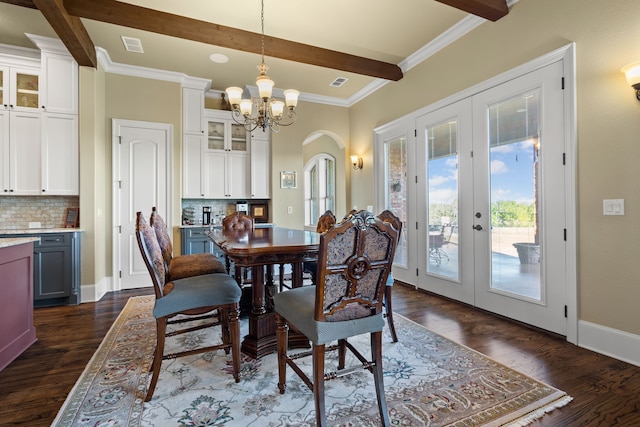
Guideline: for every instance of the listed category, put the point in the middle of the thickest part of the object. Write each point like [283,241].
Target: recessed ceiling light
[132,44]
[219,58]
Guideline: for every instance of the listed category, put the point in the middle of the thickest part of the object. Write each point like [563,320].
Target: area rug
[429,381]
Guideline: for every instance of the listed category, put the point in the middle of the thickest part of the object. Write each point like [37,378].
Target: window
[319,187]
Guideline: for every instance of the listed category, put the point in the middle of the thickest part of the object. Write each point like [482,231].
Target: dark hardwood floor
[606,391]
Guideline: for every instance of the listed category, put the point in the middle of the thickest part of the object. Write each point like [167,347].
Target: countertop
[14,241]
[38,231]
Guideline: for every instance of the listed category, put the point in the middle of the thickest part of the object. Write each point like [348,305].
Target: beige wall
[606,35]
[287,155]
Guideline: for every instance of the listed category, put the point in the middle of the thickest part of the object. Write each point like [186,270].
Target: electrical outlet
[370,208]
[290,209]
[35,225]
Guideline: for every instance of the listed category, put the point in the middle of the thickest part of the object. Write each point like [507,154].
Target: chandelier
[264,112]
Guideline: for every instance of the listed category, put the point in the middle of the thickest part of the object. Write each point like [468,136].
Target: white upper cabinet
[24,160]
[60,154]
[193,111]
[59,85]
[260,165]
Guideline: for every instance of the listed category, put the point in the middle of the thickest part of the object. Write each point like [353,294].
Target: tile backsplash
[16,212]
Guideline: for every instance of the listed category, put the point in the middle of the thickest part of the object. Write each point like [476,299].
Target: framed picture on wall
[287,179]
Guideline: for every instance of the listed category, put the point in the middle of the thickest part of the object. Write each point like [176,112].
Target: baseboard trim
[610,342]
[94,292]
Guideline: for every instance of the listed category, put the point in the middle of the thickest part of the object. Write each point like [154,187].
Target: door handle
[477,227]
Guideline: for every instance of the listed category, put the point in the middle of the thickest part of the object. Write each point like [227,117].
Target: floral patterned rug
[429,381]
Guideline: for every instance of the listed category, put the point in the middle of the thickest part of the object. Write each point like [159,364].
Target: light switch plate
[613,207]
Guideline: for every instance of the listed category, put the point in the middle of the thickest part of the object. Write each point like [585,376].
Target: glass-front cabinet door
[25,90]
[238,138]
[226,136]
[215,135]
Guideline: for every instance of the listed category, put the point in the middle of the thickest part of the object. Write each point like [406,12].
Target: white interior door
[142,179]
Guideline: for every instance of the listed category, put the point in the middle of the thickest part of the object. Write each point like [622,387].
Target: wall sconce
[357,162]
[632,73]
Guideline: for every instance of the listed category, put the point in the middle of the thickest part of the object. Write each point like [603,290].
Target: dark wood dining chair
[241,223]
[181,266]
[192,298]
[354,261]
[325,222]
[388,216]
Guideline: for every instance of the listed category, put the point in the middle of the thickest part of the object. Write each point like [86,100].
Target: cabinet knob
[43,190]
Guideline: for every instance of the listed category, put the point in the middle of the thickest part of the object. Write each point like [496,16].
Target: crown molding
[149,73]
[48,44]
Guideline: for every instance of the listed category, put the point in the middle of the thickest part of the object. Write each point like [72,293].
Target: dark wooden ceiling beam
[23,3]
[70,30]
[487,9]
[132,16]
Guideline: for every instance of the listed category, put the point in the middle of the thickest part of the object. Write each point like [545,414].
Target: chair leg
[376,356]
[342,353]
[161,330]
[282,334]
[234,330]
[224,324]
[281,276]
[318,384]
[389,314]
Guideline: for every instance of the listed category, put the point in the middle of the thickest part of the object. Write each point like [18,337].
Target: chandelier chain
[262,23]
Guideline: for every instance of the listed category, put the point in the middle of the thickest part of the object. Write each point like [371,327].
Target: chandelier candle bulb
[234,94]
[277,107]
[246,106]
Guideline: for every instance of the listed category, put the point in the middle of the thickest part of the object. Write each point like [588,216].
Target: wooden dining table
[260,249]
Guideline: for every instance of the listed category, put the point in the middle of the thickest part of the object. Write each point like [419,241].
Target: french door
[490,200]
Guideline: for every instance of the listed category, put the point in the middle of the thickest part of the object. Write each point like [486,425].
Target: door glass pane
[442,196]
[313,208]
[395,155]
[515,196]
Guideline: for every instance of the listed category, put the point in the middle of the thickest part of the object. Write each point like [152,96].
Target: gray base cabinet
[194,240]
[56,268]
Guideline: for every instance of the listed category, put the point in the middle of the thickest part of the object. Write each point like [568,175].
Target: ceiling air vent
[339,81]
[132,44]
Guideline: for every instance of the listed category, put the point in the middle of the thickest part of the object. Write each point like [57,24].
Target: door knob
[477,227]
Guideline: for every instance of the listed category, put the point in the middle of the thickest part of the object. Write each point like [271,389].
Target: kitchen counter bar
[17,331]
